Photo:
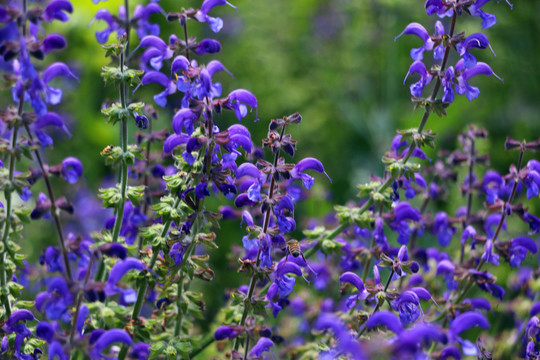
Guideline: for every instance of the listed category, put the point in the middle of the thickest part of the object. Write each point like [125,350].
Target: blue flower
[72,169]
[408,306]
[443,229]
[518,249]
[177,253]
[238,100]
[106,339]
[263,345]
[463,86]
[352,278]
[308,163]
[462,323]
[418,30]
[202,15]
[419,68]
[478,41]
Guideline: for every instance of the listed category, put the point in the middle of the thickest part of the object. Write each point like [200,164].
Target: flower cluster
[397,273]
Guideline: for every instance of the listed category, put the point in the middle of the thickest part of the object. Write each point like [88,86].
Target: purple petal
[179,62]
[53,42]
[415,29]
[352,278]
[466,321]
[107,339]
[173,141]
[526,243]
[386,319]
[57,69]
[121,267]
[248,169]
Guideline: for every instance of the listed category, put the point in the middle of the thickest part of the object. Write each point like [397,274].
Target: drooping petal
[466,321]
[387,319]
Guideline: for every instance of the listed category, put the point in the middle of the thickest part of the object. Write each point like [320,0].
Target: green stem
[207,341]
[124,164]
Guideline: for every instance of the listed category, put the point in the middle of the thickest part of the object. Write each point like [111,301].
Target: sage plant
[400,272]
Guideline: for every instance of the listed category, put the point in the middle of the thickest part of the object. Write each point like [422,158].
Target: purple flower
[418,30]
[447,268]
[518,249]
[473,41]
[469,233]
[491,185]
[72,169]
[533,221]
[447,82]
[419,68]
[56,10]
[404,213]
[208,46]
[488,20]
[408,306]
[161,79]
[532,182]
[263,345]
[141,121]
[225,332]
[177,253]
[238,100]
[387,319]
[112,26]
[443,229]
[48,119]
[106,339]
[463,86]
[116,274]
[308,163]
[462,323]
[140,351]
[202,15]
[352,278]
[53,42]
[488,255]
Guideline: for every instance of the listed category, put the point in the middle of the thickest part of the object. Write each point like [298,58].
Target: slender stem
[128,24]
[180,288]
[209,339]
[247,348]
[253,281]
[54,209]
[186,39]
[124,164]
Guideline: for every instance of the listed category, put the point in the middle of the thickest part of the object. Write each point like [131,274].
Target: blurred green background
[337,64]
